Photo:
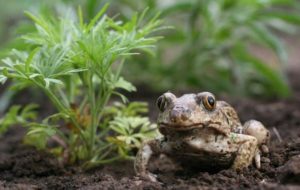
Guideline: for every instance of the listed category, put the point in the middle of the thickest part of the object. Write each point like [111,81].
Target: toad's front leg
[247,150]
[148,149]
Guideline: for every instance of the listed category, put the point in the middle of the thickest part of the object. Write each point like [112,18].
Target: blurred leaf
[17,115]
[289,17]
[274,77]
[123,84]
[177,7]
[266,37]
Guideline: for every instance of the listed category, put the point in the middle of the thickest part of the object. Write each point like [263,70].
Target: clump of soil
[23,167]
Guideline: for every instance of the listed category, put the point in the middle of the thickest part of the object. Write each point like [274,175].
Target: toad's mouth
[188,127]
[216,126]
[181,127]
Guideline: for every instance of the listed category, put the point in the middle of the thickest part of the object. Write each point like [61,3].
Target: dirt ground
[23,167]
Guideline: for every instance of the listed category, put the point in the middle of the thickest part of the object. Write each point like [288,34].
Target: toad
[200,132]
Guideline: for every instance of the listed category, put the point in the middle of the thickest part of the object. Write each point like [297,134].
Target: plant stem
[63,96]
[61,108]
[92,102]
[88,165]
[82,104]
[120,68]
[109,91]
[102,104]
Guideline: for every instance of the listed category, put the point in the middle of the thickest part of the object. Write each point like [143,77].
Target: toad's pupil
[211,101]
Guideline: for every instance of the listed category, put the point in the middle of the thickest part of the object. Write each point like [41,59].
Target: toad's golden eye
[209,102]
[161,103]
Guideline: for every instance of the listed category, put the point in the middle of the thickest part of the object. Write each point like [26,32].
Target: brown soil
[23,167]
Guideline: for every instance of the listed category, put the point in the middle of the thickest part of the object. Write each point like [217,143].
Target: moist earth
[23,167]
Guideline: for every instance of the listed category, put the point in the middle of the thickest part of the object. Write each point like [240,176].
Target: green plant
[17,115]
[128,127]
[213,46]
[13,23]
[78,65]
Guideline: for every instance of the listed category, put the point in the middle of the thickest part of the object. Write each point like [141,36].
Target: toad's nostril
[178,114]
[174,115]
[185,115]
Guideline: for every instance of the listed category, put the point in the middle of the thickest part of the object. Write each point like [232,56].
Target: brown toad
[201,132]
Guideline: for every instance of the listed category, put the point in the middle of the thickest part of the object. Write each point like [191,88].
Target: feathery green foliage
[78,66]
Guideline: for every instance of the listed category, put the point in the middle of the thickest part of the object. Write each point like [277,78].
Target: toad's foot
[258,130]
[147,150]
[246,152]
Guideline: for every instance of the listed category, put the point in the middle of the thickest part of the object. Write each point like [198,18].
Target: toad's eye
[165,100]
[209,102]
[161,103]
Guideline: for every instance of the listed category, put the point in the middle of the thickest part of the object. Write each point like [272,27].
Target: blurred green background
[223,46]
